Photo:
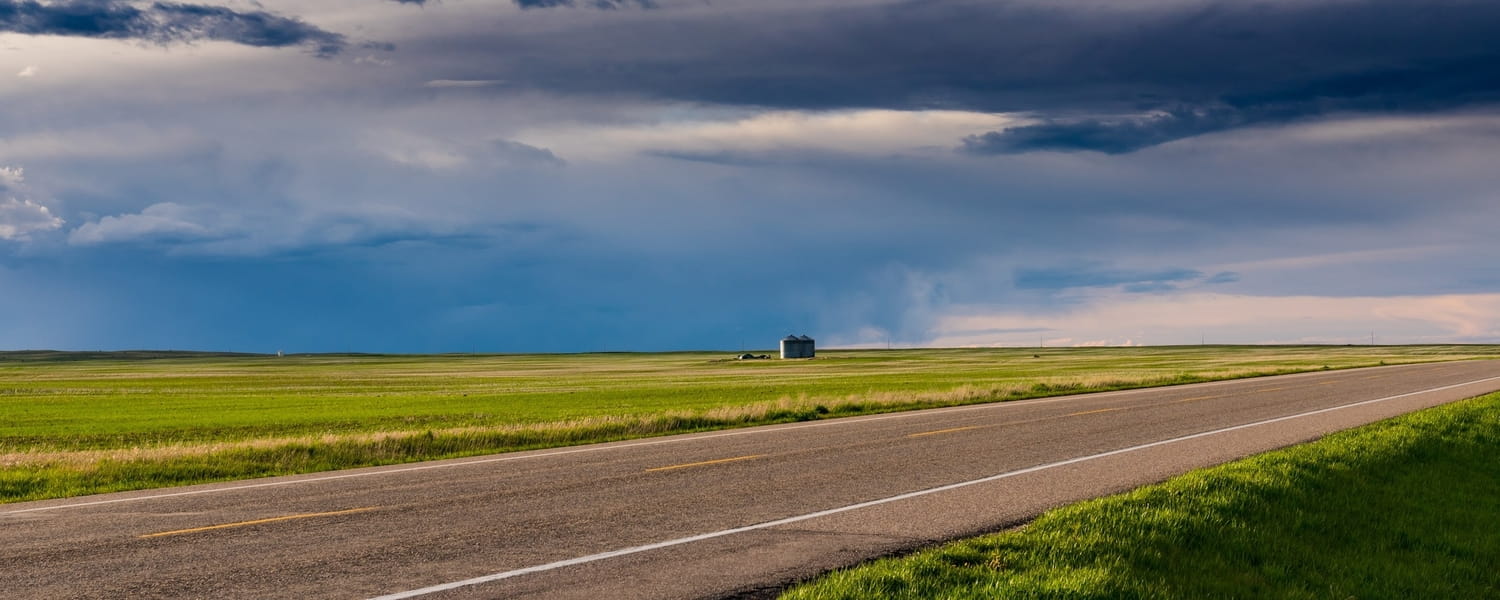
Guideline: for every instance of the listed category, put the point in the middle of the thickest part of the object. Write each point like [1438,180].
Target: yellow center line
[259,521]
[1275,389]
[940,431]
[707,462]
[1090,412]
[1197,398]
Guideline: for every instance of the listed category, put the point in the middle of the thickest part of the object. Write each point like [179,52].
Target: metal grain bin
[791,347]
[794,346]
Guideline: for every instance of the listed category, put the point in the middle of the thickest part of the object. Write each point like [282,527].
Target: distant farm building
[795,346]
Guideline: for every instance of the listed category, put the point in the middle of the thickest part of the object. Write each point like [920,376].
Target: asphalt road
[734,513]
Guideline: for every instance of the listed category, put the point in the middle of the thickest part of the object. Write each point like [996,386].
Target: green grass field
[1406,508]
[73,424]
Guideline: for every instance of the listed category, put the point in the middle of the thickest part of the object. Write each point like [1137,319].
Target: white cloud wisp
[21,216]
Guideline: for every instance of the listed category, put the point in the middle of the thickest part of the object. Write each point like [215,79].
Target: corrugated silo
[791,347]
[797,346]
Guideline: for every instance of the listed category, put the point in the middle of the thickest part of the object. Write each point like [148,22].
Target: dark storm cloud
[1429,87]
[1112,79]
[163,23]
[1110,136]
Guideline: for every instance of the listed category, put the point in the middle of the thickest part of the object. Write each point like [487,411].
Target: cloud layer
[588,175]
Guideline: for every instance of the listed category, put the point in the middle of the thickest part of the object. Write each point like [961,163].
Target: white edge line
[689,438]
[832,511]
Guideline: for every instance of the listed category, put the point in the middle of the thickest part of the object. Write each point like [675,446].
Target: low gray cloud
[164,23]
[1096,276]
[600,4]
[720,157]
[164,222]
[1224,277]
[463,83]
[211,230]
[519,154]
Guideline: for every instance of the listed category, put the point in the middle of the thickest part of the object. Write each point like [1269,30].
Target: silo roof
[804,339]
[791,338]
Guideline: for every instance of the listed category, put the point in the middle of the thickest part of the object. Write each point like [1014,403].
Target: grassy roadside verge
[1405,508]
[77,424]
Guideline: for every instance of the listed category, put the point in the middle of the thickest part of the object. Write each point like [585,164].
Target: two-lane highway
[706,515]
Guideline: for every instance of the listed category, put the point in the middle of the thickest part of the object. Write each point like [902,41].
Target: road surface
[736,513]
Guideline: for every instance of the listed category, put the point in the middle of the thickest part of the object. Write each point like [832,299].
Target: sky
[606,175]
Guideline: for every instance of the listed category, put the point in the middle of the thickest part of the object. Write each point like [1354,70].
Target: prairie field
[81,423]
